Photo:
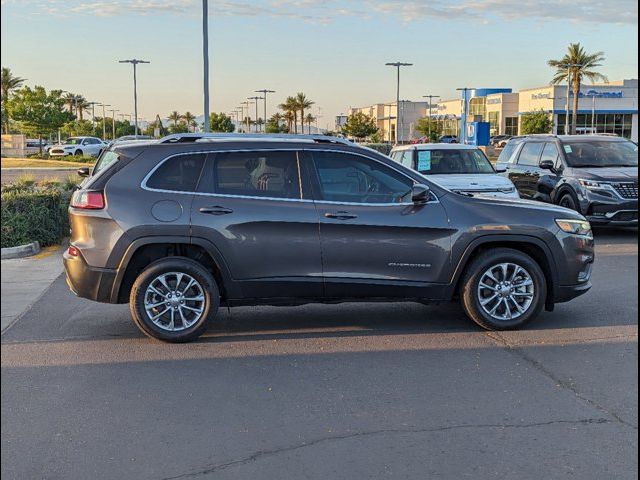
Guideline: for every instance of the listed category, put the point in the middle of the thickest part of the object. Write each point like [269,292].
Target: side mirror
[83,172]
[501,167]
[420,194]
[547,165]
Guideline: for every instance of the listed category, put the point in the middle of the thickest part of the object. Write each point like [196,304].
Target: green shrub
[34,214]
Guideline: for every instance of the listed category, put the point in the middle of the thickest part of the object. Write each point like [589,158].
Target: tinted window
[601,153]
[257,174]
[550,152]
[530,154]
[439,162]
[180,173]
[351,178]
[508,150]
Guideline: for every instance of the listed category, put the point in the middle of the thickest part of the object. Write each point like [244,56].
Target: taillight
[86,199]
[73,251]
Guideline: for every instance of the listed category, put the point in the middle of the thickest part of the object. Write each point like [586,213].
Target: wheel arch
[531,246]
[143,251]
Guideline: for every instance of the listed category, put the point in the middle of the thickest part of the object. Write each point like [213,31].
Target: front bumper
[57,152]
[603,208]
[89,282]
[566,293]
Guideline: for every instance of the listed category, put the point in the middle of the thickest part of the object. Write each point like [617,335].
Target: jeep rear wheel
[503,289]
[174,299]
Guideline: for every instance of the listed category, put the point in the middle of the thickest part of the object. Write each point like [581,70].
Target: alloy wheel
[506,291]
[174,301]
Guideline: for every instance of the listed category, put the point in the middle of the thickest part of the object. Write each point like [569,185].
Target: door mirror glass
[83,172]
[420,194]
[501,168]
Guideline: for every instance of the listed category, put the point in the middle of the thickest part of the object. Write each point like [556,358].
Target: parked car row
[177,227]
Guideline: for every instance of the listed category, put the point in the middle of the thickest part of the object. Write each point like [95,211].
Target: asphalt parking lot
[348,391]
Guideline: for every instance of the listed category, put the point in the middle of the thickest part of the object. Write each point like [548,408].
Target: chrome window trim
[144,186]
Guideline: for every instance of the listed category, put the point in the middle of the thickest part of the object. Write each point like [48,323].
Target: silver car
[459,168]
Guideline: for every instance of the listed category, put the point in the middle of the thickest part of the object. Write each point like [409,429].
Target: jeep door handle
[215,210]
[341,215]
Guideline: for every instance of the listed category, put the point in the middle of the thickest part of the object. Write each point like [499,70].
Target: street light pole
[205,61]
[400,117]
[593,113]
[104,121]
[113,123]
[430,97]
[463,120]
[264,92]
[247,119]
[255,99]
[135,62]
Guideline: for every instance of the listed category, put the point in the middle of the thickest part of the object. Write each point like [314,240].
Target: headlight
[575,227]
[593,185]
[507,190]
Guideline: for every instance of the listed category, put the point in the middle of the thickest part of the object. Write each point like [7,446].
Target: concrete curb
[21,251]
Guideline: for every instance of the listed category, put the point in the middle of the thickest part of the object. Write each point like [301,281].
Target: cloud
[622,12]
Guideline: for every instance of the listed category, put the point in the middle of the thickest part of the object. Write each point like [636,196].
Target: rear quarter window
[180,173]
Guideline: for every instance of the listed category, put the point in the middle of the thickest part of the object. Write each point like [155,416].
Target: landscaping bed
[35,211]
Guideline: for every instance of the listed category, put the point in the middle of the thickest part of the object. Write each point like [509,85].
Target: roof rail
[255,137]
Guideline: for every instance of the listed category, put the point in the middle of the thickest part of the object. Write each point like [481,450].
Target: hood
[608,174]
[472,182]
[532,205]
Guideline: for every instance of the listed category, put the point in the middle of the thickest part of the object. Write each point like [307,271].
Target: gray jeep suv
[179,226]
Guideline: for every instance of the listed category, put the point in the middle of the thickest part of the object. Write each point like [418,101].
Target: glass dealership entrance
[617,123]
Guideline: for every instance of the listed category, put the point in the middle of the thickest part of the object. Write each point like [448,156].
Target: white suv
[459,168]
[80,146]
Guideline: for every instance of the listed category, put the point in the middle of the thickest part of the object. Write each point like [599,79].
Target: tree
[78,128]
[585,63]
[309,119]
[8,83]
[38,112]
[536,123]
[221,122]
[70,99]
[175,117]
[360,126]
[302,103]
[81,106]
[276,124]
[190,119]
[425,125]
[290,109]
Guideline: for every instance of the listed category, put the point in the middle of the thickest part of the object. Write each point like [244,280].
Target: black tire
[185,265]
[78,153]
[568,200]
[470,295]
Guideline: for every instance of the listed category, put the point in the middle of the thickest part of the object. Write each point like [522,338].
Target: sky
[333,51]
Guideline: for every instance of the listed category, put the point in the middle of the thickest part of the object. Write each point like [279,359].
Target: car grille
[625,217]
[627,190]
[56,150]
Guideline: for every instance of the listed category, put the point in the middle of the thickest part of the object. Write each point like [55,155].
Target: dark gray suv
[179,226]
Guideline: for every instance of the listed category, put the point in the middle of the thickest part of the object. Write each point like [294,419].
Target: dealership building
[602,108]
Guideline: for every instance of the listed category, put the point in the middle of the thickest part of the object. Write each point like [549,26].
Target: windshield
[439,162]
[72,141]
[508,150]
[601,154]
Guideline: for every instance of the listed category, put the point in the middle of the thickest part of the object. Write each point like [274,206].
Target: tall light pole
[205,61]
[398,65]
[93,113]
[248,117]
[430,97]
[465,112]
[593,112]
[135,63]
[255,99]
[113,123]
[264,92]
[104,121]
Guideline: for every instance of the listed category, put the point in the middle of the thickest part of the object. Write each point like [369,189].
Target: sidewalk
[24,280]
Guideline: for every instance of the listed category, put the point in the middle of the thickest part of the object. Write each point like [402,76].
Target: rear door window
[530,154]
[550,152]
[272,174]
[179,174]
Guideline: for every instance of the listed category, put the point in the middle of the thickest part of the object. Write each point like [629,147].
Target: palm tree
[9,82]
[81,105]
[190,119]
[290,106]
[289,117]
[578,65]
[175,117]
[70,99]
[309,119]
[302,102]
